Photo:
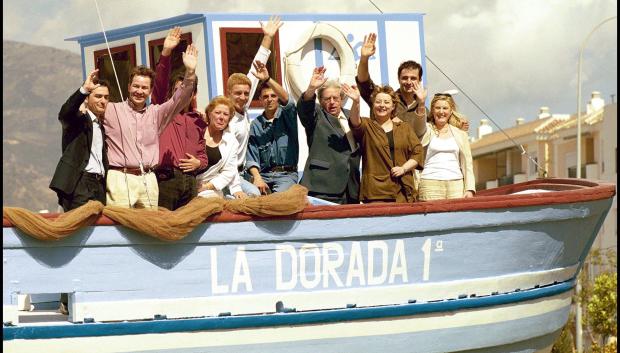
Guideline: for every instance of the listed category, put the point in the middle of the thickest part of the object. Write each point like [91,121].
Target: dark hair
[262,87]
[179,77]
[387,89]
[410,64]
[142,71]
[102,83]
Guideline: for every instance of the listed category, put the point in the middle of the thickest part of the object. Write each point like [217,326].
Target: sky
[510,56]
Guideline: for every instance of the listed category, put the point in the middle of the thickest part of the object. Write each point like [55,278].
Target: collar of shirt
[408,107]
[133,107]
[264,122]
[92,116]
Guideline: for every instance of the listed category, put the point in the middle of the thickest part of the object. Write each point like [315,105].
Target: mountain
[37,80]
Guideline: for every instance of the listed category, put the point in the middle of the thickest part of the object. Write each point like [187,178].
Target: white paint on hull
[303,301]
[363,330]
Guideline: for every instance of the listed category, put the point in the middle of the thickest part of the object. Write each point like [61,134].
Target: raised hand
[368,47]
[273,25]
[352,92]
[189,164]
[465,125]
[420,92]
[190,59]
[90,85]
[318,78]
[172,40]
[260,71]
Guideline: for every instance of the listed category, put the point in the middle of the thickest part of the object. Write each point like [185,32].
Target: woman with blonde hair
[390,149]
[221,148]
[448,167]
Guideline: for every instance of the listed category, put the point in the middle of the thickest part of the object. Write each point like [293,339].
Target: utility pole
[578,319]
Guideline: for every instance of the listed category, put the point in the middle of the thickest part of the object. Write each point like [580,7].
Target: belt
[134,171]
[96,176]
[283,168]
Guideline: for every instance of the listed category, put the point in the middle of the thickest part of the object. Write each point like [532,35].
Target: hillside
[36,82]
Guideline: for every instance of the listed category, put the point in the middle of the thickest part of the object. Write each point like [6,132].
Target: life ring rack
[295,71]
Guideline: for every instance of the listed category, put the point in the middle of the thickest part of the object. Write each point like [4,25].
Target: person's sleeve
[196,136]
[419,122]
[307,113]
[252,156]
[468,169]
[70,111]
[366,89]
[416,148]
[173,106]
[360,131]
[228,173]
[262,55]
[162,77]
[289,112]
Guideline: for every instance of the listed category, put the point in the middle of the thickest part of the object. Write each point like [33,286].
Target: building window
[239,46]
[156,46]
[572,172]
[124,60]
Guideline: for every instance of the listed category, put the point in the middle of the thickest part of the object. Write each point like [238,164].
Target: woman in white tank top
[448,167]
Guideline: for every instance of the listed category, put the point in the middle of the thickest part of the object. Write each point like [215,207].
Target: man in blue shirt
[273,146]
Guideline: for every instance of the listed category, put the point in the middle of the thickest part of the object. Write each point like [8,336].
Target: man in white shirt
[241,88]
[80,173]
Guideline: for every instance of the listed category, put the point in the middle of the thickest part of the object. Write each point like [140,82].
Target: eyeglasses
[443,95]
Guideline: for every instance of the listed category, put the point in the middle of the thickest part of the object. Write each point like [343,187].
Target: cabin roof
[192,18]
[142,28]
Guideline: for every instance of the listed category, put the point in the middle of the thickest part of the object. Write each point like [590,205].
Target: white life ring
[294,69]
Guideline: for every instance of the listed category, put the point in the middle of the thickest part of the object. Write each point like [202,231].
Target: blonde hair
[456,119]
[237,79]
[219,100]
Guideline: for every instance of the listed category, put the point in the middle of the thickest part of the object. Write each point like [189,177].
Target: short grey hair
[331,84]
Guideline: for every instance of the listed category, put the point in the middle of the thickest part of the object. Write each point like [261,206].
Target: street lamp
[578,324]
[583,45]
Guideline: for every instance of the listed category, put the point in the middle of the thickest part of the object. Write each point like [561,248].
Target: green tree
[601,306]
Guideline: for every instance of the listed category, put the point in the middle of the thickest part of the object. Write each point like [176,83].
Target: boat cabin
[227,44]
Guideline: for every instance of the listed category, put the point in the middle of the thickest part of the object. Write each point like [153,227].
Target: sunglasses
[443,95]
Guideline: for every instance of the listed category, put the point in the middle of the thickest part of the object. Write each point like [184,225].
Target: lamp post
[583,45]
[578,324]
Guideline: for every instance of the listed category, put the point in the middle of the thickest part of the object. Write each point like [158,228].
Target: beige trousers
[440,189]
[128,190]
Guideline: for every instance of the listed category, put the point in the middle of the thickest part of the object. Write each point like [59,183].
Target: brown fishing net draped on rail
[162,224]
[60,227]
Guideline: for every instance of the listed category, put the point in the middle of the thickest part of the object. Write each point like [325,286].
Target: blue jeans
[279,181]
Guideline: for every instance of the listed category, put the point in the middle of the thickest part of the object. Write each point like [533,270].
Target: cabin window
[156,46]
[124,60]
[239,46]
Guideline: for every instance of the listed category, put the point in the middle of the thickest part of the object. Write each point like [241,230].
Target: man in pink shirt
[181,145]
[132,134]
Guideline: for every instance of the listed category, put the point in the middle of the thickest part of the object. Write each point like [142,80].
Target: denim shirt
[274,143]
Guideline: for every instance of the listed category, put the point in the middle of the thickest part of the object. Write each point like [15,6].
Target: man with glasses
[332,168]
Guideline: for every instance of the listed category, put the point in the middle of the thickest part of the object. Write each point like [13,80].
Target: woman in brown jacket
[390,150]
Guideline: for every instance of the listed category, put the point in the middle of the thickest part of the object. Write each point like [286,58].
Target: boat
[493,273]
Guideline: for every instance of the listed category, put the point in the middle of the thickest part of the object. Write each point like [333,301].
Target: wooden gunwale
[564,191]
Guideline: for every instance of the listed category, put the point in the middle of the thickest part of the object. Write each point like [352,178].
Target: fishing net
[163,224]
